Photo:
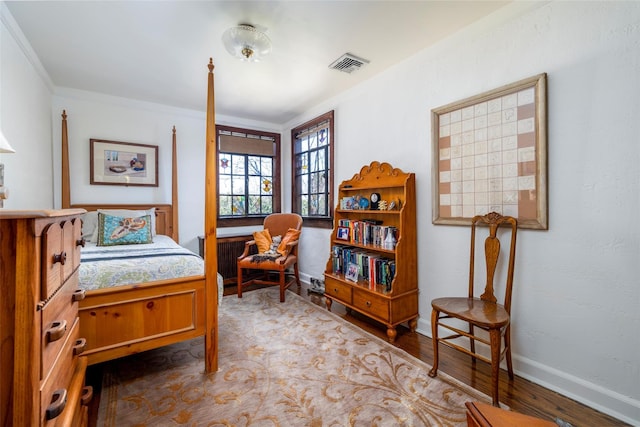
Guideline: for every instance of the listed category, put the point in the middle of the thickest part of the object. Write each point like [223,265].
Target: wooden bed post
[66,196]
[174,189]
[210,246]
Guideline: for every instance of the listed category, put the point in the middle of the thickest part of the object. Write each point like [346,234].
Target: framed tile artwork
[490,155]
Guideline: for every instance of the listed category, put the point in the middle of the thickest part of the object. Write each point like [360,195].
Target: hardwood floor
[520,395]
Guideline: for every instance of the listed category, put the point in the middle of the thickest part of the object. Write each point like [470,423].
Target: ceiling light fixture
[246,43]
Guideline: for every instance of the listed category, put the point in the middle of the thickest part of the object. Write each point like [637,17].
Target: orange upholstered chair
[485,312]
[277,251]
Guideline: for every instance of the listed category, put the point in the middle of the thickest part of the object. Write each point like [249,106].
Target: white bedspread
[107,266]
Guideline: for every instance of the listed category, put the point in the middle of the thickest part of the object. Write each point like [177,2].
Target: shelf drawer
[338,290]
[370,303]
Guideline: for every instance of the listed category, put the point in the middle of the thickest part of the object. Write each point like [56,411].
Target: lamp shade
[5,147]
[245,42]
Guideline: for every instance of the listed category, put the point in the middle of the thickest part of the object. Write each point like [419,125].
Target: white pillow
[126,213]
[89,224]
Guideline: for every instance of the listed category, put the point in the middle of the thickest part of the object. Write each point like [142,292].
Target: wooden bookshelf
[389,300]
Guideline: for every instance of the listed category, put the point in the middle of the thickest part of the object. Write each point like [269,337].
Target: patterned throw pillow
[291,236]
[118,230]
[127,213]
[263,240]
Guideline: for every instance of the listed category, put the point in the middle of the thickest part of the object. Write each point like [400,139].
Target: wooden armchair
[483,313]
[276,260]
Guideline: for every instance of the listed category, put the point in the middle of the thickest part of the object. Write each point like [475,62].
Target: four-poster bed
[126,319]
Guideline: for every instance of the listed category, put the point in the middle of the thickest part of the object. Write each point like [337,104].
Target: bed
[149,309]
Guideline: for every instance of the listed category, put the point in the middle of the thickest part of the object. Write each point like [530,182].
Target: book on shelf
[369,232]
[372,268]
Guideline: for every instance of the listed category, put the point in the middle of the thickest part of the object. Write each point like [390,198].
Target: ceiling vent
[348,63]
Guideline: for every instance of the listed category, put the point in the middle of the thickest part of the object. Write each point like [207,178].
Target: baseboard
[305,278]
[604,400]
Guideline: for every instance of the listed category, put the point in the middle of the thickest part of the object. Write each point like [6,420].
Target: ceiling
[157,51]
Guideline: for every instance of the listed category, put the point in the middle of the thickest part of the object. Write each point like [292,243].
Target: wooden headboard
[166,214]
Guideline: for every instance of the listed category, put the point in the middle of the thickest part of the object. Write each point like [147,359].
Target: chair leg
[239,282]
[283,282]
[295,271]
[434,336]
[472,343]
[507,344]
[495,340]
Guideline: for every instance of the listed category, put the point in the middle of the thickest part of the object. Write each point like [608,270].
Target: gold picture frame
[123,163]
[489,153]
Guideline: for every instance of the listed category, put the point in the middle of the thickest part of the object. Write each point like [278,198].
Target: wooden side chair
[274,258]
[483,313]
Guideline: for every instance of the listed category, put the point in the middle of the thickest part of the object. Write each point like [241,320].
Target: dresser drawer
[372,304]
[59,315]
[60,254]
[338,290]
[72,245]
[54,391]
[75,411]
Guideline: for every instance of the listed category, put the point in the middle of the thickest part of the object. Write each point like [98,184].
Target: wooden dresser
[42,373]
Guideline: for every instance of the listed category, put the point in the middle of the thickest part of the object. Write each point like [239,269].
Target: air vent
[348,63]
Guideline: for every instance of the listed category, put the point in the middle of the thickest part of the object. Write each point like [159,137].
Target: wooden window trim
[315,221]
[252,219]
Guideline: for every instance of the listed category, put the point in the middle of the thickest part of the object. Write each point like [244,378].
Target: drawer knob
[78,295]
[368,303]
[81,242]
[57,330]
[58,402]
[87,395]
[80,346]
[335,290]
[61,258]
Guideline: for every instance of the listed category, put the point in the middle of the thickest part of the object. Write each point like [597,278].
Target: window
[312,169]
[248,175]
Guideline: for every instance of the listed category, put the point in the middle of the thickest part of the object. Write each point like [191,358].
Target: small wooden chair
[278,224]
[484,312]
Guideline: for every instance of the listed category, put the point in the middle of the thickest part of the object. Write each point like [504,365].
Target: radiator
[229,249]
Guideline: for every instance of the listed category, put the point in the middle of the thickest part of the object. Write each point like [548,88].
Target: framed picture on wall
[123,163]
[489,154]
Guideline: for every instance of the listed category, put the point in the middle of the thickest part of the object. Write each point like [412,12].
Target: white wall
[25,120]
[577,296]
[92,115]
[31,121]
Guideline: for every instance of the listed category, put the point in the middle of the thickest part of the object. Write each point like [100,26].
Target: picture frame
[352,272]
[343,233]
[349,203]
[123,163]
[489,153]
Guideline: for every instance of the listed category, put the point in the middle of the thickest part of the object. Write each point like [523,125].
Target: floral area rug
[281,364]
